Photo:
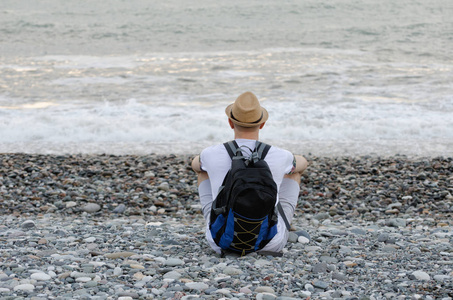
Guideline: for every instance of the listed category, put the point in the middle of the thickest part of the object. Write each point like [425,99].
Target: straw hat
[246,111]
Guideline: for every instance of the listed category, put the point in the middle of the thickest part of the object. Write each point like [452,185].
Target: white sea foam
[130,124]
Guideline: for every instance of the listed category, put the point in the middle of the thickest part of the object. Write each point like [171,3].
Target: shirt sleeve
[292,166]
[201,161]
[205,158]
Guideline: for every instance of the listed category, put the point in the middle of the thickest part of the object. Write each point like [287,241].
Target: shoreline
[412,149]
[130,227]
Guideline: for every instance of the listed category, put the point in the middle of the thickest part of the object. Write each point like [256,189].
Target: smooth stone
[265,296]
[262,263]
[149,174]
[388,249]
[164,186]
[245,290]
[137,266]
[28,224]
[383,237]
[321,216]
[120,209]
[172,275]
[24,287]
[133,295]
[76,274]
[70,204]
[303,240]
[83,279]
[119,254]
[349,263]
[331,268]
[40,276]
[320,268]
[397,222]
[420,275]
[358,231]
[328,259]
[173,262]
[200,286]
[232,271]
[309,287]
[345,249]
[138,276]
[90,239]
[264,289]
[312,248]
[303,233]
[153,224]
[156,291]
[292,237]
[90,284]
[339,276]
[91,207]
[222,278]
[320,284]
[221,291]
[441,277]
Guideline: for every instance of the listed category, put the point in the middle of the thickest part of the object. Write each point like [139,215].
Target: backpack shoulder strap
[282,213]
[231,147]
[262,149]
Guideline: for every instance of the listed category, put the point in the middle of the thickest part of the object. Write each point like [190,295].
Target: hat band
[232,117]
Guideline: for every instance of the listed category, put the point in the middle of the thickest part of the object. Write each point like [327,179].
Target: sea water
[339,77]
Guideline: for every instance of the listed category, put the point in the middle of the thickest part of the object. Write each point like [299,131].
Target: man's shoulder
[213,150]
[279,151]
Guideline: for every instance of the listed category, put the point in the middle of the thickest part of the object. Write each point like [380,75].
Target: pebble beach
[130,227]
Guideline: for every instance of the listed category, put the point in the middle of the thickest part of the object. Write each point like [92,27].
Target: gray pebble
[91,207]
[303,233]
[120,209]
[28,224]
[292,237]
[320,268]
[397,222]
[172,262]
[383,237]
[320,284]
[339,276]
[358,231]
[321,216]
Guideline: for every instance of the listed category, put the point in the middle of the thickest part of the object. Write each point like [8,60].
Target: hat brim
[265,116]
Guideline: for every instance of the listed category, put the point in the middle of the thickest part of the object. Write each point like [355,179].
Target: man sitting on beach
[246,117]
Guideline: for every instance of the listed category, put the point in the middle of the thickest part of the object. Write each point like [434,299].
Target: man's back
[216,162]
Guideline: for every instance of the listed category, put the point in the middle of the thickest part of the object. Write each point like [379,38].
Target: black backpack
[243,215]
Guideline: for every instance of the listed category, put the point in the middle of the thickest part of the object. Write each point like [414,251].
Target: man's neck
[246,135]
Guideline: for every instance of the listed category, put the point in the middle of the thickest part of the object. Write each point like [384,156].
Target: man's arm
[196,166]
[301,164]
[298,169]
